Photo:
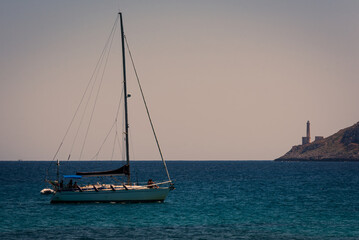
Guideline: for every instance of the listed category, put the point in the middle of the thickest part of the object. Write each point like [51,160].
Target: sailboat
[126,191]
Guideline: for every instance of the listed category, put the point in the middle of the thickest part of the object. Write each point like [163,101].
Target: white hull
[131,195]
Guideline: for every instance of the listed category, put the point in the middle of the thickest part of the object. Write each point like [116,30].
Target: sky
[224,80]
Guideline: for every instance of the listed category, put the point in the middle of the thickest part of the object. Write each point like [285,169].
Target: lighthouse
[306,140]
[308,131]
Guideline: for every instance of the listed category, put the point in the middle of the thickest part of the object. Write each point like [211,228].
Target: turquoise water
[212,200]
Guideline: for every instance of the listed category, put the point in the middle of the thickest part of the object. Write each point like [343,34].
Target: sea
[212,200]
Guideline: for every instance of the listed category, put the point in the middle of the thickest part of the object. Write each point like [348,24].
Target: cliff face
[341,146]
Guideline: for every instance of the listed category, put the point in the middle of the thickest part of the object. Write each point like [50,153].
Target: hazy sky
[231,80]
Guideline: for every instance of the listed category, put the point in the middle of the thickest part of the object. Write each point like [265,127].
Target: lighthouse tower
[308,131]
[306,140]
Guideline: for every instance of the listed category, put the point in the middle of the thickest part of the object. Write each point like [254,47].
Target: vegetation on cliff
[341,146]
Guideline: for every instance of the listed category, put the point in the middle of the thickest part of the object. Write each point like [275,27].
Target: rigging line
[148,113]
[109,41]
[116,120]
[99,88]
[104,141]
[97,69]
[116,133]
[113,124]
[119,104]
[114,144]
[120,138]
[119,143]
[88,101]
[85,108]
[82,98]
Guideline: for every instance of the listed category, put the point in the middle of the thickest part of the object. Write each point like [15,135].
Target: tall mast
[125,100]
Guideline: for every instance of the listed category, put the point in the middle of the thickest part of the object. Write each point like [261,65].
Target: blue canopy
[73,176]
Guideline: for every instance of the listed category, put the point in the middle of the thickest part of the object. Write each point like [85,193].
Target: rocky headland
[341,146]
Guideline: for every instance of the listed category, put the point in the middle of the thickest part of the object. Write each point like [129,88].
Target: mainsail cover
[120,171]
